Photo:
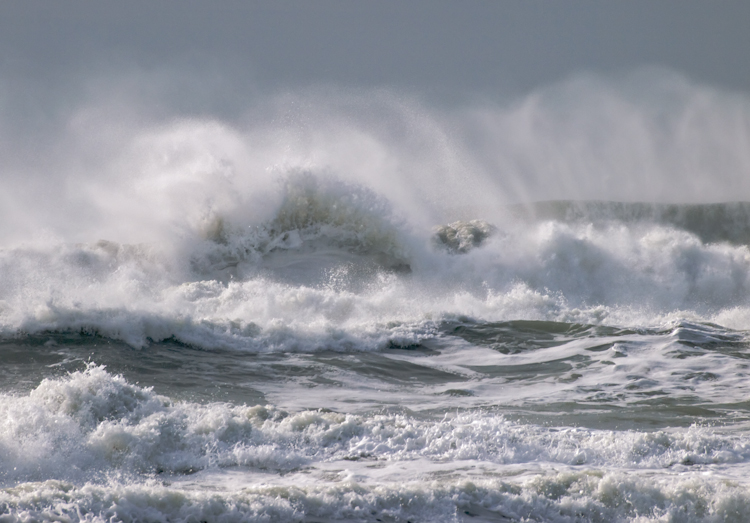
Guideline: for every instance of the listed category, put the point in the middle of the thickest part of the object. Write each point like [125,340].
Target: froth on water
[357,307]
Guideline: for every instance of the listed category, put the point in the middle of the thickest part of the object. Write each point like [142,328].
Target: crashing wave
[320,221]
[462,236]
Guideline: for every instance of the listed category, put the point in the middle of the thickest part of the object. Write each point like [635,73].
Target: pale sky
[434,48]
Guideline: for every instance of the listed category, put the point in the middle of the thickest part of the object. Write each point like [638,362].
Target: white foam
[92,446]
[336,286]
[92,422]
[561,497]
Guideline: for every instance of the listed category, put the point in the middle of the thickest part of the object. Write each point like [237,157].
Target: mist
[128,162]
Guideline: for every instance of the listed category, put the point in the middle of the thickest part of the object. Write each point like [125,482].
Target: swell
[601,377]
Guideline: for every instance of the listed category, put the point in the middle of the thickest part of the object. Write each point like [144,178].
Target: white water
[293,251]
[330,284]
[93,426]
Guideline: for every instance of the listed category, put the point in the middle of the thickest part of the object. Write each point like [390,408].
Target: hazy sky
[434,48]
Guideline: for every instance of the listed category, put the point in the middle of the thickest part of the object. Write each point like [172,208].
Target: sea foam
[92,446]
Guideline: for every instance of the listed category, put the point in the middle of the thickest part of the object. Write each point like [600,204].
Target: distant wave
[711,222]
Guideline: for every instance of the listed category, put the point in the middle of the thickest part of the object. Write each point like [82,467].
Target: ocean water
[335,321]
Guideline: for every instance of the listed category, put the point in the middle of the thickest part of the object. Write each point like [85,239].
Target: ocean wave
[558,498]
[711,222]
[92,421]
[320,224]
[335,268]
[92,445]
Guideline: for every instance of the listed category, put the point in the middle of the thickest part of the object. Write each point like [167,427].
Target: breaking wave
[79,441]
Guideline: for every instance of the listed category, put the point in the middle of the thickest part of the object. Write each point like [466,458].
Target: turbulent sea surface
[191,338]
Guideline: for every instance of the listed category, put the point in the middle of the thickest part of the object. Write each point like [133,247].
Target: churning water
[368,310]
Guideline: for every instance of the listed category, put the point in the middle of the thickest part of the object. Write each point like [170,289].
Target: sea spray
[362,308]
